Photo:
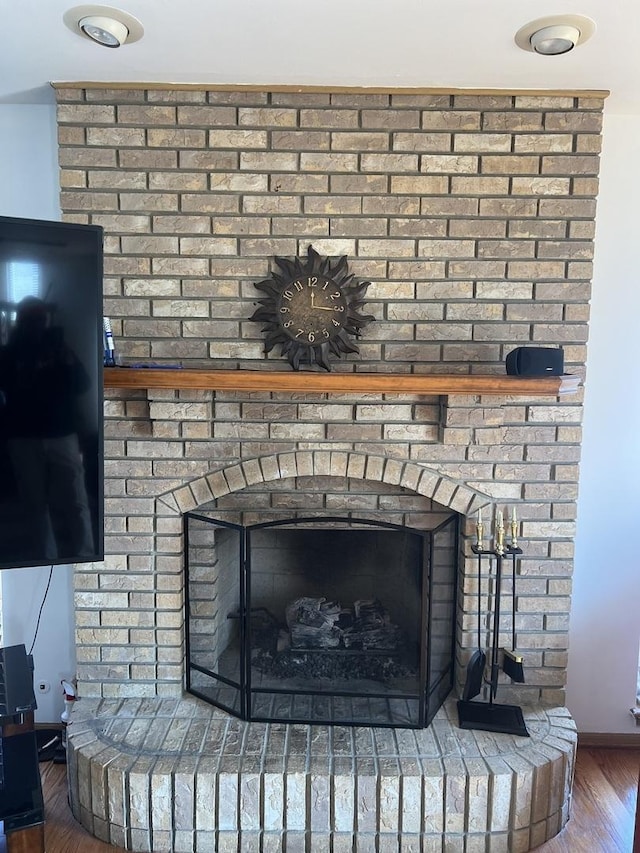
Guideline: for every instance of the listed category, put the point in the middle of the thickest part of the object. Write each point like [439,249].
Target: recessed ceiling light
[554,40]
[106,31]
[104,25]
[555,35]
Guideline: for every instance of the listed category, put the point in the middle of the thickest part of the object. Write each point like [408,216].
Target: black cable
[46,592]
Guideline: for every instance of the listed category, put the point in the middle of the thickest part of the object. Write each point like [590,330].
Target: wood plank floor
[602,819]
[604,803]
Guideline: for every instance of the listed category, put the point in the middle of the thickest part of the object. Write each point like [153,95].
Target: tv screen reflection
[50,393]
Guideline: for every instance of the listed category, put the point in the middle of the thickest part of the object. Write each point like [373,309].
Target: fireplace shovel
[512,662]
[478,660]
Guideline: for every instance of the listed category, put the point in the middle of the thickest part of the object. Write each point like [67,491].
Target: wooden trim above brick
[358,90]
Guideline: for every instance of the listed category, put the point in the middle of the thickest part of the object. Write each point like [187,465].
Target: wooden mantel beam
[357,383]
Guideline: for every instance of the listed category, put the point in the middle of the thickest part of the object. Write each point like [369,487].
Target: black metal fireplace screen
[321,620]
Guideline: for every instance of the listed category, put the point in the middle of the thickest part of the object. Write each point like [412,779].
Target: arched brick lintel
[444,490]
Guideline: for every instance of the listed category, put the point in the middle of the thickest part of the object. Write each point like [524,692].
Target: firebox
[321,620]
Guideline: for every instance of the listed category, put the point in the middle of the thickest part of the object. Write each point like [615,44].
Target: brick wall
[472,216]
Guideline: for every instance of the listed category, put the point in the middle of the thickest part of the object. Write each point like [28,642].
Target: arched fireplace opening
[321,620]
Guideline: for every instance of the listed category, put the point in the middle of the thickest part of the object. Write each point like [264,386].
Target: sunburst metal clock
[311,309]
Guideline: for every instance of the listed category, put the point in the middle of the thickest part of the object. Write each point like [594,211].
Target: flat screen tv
[51,356]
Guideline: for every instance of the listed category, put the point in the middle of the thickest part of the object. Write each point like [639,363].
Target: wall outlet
[43,686]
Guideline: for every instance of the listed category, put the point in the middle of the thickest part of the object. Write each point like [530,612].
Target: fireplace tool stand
[492,716]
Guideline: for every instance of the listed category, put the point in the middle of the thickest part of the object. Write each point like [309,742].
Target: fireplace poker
[495,666]
[478,660]
[512,662]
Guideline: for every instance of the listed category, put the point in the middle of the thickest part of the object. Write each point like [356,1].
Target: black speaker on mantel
[535,361]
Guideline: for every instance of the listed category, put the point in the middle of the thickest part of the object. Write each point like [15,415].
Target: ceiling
[388,43]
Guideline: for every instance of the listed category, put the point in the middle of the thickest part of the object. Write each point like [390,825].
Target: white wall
[29,187]
[605,619]
[605,624]
[28,166]
[54,650]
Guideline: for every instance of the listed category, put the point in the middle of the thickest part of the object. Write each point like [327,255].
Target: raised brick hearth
[178,775]
[473,217]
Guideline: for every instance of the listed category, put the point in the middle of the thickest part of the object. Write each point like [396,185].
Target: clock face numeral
[298,285]
[288,295]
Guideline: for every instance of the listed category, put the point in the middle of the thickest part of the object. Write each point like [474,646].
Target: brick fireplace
[473,217]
